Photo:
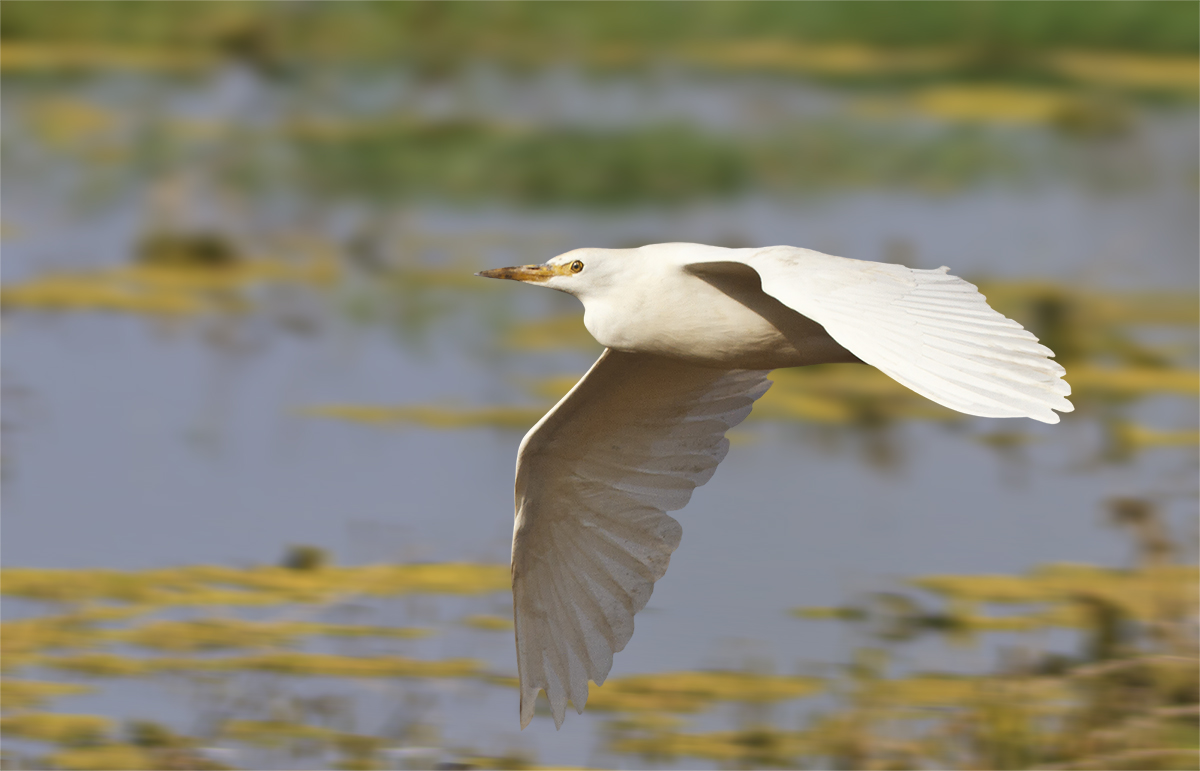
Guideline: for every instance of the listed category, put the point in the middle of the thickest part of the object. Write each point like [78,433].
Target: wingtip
[1052,417]
[1064,406]
[526,709]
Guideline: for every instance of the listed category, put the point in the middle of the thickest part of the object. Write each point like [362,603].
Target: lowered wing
[595,477]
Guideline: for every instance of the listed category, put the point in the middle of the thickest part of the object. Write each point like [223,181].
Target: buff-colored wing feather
[595,477]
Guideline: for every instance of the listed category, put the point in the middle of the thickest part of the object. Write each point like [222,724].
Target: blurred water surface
[240,318]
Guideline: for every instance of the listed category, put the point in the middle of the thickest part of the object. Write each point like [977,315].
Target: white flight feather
[594,479]
[899,320]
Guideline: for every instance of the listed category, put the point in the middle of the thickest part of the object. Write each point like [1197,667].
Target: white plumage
[691,332]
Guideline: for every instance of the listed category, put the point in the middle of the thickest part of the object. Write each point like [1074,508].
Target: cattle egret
[690,334]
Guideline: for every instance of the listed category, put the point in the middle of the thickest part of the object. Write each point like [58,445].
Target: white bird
[691,332]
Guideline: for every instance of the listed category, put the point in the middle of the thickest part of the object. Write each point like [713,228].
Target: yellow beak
[533,273]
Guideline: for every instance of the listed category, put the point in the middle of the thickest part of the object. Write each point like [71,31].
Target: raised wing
[931,331]
[630,441]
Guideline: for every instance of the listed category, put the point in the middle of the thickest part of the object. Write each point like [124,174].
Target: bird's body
[691,333]
[711,313]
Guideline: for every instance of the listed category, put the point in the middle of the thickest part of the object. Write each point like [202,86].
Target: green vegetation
[1075,68]
[876,144]
[437,38]
[667,164]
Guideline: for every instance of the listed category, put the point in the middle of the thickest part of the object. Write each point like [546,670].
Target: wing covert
[595,477]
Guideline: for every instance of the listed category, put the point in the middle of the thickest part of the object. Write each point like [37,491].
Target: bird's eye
[576,266]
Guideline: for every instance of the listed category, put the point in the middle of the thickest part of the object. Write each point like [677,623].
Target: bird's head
[580,272]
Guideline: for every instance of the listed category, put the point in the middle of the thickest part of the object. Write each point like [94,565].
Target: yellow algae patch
[34,57]
[23,694]
[609,698]
[146,588]
[502,680]
[928,690]
[971,622]
[693,691]
[1129,70]
[566,331]
[1142,594]
[215,634]
[217,585]
[280,662]
[106,757]
[837,59]
[513,761]
[836,612]
[351,630]
[78,292]
[1109,307]
[1135,381]
[21,641]
[441,578]
[489,623]
[1139,437]
[273,733]
[788,404]
[159,289]
[101,664]
[554,388]
[987,588]
[830,379]
[56,727]
[947,690]
[69,121]
[762,745]
[1117,70]
[992,103]
[209,634]
[842,394]
[327,665]
[1067,596]
[683,692]
[722,686]
[430,417]
[376,580]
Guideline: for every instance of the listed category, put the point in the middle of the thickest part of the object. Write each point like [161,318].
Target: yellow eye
[576,266]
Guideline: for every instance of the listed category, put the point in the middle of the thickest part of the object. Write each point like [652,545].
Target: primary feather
[931,331]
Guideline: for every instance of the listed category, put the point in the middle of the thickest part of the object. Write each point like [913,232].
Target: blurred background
[260,420]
